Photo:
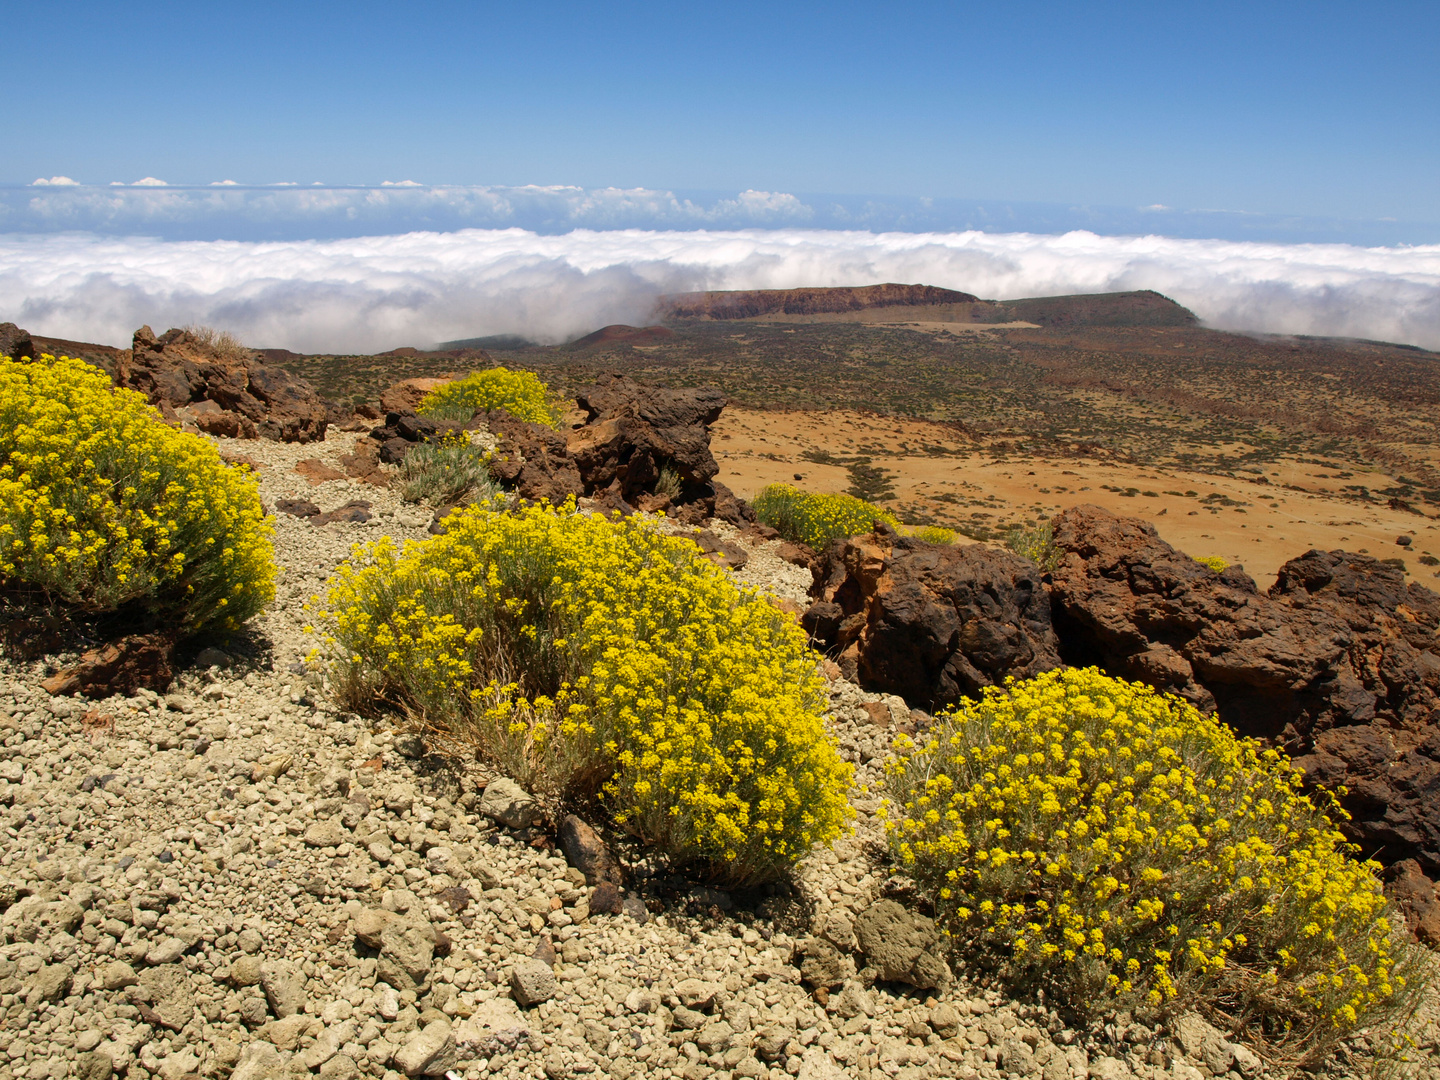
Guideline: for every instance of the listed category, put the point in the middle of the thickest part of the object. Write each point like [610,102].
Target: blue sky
[1319,109]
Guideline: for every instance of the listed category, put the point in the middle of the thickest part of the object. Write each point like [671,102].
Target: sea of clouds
[322,269]
[376,293]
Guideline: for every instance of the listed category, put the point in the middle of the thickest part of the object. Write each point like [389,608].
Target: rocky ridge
[236,878]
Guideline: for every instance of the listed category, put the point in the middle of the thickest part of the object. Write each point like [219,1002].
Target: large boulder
[220,391]
[532,460]
[1338,664]
[930,622]
[632,432]
[15,343]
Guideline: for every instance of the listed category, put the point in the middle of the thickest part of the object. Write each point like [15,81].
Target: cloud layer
[225,210]
[375,293]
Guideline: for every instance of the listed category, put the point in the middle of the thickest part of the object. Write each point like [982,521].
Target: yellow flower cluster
[1214,562]
[816,520]
[932,534]
[595,657]
[104,506]
[1109,841]
[520,393]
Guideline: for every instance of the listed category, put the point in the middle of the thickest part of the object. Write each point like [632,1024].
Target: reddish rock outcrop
[753,303]
[930,622]
[1339,664]
[225,394]
[121,667]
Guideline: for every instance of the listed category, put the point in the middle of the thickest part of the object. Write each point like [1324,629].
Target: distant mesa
[755,303]
[928,303]
[1143,308]
[493,343]
[619,333]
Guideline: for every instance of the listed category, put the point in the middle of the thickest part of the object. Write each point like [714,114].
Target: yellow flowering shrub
[1214,562]
[807,518]
[932,534]
[1107,842]
[1036,543]
[520,393]
[104,507]
[590,657]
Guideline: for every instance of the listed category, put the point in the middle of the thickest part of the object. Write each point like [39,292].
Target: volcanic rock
[15,343]
[121,667]
[220,392]
[532,460]
[931,623]
[1339,664]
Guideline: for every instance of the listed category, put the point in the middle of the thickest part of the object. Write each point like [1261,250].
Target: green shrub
[1214,562]
[595,658]
[105,508]
[668,482]
[806,518]
[1036,543]
[932,534]
[447,471]
[1115,846]
[520,393]
[1429,560]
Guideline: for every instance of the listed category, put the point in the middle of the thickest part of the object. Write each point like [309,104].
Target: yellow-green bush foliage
[932,534]
[520,393]
[103,506]
[1214,562]
[816,520]
[1106,841]
[586,656]
[1036,544]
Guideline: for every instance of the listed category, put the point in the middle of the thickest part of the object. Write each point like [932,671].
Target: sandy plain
[944,476]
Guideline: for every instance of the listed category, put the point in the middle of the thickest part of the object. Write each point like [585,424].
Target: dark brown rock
[15,343]
[302,508]
[1416,896]
[631,432]
[721,552]
[586,851]
[177,371]
[1339,664]
[928,622]
[606,899]
[531,460]
[356,510]
[121,667]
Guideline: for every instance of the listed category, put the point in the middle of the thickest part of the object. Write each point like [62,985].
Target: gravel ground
[237,878]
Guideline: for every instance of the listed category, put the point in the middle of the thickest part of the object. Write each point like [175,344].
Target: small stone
[284,987]
[586,851]
[259,1061]
[95,1065]
[945,1019]
[410,745]
[636,909]
[429,1052]
[210,656]
[167,951]
[532,982]
[606,899]
[511,805]
[1246,1060]
[50,983]
[117,975]
[327,833]
[641,1000]
[695,994]
[245,971]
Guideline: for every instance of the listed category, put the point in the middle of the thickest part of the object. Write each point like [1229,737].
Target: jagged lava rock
[931,622]
[243,397]
[1339,664]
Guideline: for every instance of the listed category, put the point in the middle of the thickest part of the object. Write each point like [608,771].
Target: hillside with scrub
[504,722]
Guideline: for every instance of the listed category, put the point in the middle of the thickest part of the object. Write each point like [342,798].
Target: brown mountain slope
[759,302]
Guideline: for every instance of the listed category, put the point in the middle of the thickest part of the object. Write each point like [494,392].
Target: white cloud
[55,181]
[401,183]
[150,181]
[413,289]
[223,183]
